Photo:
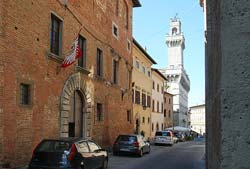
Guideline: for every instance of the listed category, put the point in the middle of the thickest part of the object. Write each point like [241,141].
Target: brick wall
[26,41]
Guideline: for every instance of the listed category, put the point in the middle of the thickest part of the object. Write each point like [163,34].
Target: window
[153,105]
[55,35]
[148,120]
[153,85]
[161,126]
[25,94]
[158,106]
[143,119]
[165,100]
[137,97]
[148,101]
[99,112]
[93,147]
[83,147]
[115,71]
[158,87]
[174,31]
[133,96]
[143,69]
[165,113]
[115,30]
[169,101]
[162,107]
[82,59]
[129,116]
[99,62]
[149,74]
[157,127]
[144,99]
[137,64]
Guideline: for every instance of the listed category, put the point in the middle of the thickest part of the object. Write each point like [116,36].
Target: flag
[74,54]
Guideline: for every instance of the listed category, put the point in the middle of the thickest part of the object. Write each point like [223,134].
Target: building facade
[178,82]
[168,110]
[198,119]
[142,89]
[157,115]
[39,99]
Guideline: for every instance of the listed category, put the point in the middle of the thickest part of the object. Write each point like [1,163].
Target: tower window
[174,31]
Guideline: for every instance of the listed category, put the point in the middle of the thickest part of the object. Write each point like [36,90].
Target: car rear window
[53,146]
[127,138]
[162,133]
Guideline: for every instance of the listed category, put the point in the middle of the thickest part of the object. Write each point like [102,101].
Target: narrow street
[186,155]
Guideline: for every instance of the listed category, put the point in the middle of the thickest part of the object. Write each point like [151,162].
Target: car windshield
[127,138]
[162,133]
[53,146]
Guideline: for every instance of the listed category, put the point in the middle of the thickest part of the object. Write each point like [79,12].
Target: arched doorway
[77,115]
[76,108]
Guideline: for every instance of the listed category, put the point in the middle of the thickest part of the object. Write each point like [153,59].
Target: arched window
[174,31]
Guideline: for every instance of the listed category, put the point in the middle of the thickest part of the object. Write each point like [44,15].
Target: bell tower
[177,79]
[176,44]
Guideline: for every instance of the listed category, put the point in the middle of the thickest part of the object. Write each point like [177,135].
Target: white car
[164,137]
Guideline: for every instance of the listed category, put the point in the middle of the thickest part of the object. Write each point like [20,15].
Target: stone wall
[227,84]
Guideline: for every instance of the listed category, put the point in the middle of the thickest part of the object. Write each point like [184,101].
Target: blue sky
[150,26]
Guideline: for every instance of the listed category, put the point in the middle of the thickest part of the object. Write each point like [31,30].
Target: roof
[168,93]
[201,105]
[136,3]
[159,73]
[202,3]
[143,51]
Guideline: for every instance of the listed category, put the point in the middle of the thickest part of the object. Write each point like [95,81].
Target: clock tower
[177,82]
[176,44]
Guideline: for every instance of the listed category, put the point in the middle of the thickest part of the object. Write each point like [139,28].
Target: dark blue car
[131,144]
[74,153]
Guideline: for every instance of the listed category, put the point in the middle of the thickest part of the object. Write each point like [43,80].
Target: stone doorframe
[73,83]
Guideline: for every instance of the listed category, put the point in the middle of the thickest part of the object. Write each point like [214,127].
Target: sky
[150,26]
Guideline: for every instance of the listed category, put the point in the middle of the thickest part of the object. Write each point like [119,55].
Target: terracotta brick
[24,48]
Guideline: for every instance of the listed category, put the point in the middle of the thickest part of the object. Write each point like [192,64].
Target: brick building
[91,98]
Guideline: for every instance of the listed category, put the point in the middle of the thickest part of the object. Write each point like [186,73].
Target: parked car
[70,153]
[175,138]
[133,144]
[180,137]
[164,137]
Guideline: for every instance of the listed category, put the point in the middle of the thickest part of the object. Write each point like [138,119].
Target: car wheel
[105,164]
